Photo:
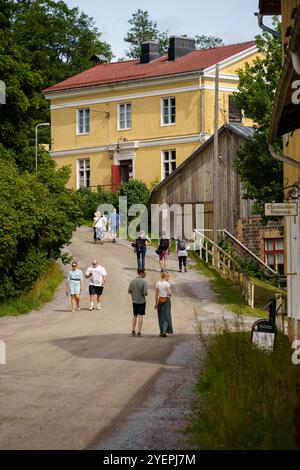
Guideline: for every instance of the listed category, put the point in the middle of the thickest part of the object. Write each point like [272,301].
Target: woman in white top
[97,226]
[163,304]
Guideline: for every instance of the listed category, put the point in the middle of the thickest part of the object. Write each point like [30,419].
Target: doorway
[126,172]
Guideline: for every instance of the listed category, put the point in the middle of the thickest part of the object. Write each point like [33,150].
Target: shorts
[139,309]
[164,255]
[96,290]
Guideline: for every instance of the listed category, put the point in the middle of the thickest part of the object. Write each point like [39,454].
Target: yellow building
[142,118]
[286,123]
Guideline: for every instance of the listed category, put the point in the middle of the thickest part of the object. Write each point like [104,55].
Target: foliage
[208,42]
[90,200]
[142,29]
[37,218]
[245,398]
[153,184]
[258,82]
[56,40]
[42,291]
[229,293]
[260,173]
[136,192]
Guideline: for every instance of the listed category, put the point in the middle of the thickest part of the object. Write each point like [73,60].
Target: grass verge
[229,294]
[246,399]
[42,292]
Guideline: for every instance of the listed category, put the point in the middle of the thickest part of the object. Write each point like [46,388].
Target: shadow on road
[150,348]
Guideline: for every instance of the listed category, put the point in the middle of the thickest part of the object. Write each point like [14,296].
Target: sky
[232,20]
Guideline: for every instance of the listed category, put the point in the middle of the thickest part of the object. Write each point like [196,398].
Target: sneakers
[91,308]
[140,335]
[133,333]
[99,307]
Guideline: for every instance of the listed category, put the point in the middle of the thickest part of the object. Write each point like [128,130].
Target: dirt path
[79,380]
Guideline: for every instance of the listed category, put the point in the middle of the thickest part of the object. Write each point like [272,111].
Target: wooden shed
[192,183]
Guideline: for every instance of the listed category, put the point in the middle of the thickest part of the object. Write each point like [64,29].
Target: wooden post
[216,156]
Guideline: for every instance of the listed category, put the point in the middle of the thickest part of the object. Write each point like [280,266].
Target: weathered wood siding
[194,184]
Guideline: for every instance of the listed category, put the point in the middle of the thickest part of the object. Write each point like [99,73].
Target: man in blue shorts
[138,289]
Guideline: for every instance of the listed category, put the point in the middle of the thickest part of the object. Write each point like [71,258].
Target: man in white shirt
[97,276]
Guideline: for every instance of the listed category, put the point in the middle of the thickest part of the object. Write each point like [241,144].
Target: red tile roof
[132,69]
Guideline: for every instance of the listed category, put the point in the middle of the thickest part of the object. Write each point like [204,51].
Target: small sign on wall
[280,209]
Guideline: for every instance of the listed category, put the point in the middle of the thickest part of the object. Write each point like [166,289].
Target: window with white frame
[169,162]
[83,121]
[124,121]
[274,253]
[83,173]
[168,111]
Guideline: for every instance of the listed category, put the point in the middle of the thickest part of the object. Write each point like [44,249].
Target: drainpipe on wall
[202,138]
[283,158]
[262,26]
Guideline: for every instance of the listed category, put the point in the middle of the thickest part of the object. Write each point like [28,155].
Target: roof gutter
[260,18]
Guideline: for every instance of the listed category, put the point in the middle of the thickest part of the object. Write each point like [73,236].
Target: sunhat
[97,214]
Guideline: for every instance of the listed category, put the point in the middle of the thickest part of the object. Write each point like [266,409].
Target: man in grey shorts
[138,289]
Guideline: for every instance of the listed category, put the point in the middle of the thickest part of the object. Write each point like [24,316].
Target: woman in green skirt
[163,305]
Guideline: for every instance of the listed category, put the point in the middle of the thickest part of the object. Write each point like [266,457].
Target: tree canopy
[261,174]
[144,29]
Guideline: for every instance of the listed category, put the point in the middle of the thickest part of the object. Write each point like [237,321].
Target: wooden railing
[219,259]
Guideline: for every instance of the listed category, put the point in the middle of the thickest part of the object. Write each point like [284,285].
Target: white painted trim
[232,59]
[137,83]
[162,112]
[118,119]
[225,89]
[77,171]
[85,103]
[128,145]
[162,175]
[226,77]
[77,121]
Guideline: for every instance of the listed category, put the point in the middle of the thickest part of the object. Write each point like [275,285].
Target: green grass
[245,398]
[42,292]
[229,294]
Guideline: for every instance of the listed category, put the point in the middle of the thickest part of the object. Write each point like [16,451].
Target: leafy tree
[136,192]
[143,29]
[56,40]
[22,98]
[208,42]
[260,173]
[37,218]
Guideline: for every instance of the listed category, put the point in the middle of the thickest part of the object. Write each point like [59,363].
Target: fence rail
[220,260]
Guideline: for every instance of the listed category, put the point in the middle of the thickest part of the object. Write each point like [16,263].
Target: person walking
[163,251]
[74,286]
[97,226]
[163,305]
[139,290]
[140,246]
[97,276]
[181,250]
[114,221]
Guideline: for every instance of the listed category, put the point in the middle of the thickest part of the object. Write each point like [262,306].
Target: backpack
[164,244]
[181,245]
[140,243]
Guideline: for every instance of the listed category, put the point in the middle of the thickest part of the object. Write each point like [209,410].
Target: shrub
[246,398]
[136,192]
[37,218]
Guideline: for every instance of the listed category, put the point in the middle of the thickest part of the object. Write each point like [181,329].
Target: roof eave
[270,7]
[53,93]
[286,115]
